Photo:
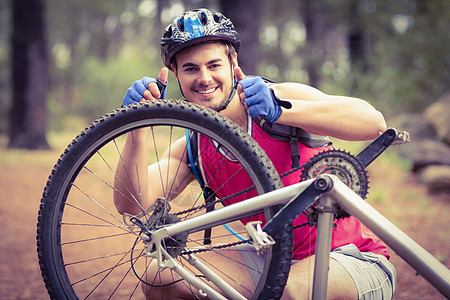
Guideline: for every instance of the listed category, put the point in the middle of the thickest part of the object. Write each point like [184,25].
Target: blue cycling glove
[260,99]
[136,92]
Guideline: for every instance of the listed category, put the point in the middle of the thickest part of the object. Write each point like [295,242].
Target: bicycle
[86,249]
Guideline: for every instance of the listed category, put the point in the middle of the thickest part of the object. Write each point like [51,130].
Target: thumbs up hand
[257,96]
[147,88]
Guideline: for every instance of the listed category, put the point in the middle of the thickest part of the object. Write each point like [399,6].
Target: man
[200,48]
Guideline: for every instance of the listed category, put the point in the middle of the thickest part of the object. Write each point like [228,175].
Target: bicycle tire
[83,248]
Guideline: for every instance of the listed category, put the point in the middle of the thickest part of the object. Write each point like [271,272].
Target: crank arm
[389,137]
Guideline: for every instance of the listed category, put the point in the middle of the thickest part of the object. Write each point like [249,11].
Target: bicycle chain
[194,209]
[334,161]
[214,247]
[348,167]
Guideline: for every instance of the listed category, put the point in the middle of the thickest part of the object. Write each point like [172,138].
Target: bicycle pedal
[260,239]
[402,137]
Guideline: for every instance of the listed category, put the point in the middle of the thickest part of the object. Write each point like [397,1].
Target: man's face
[205,75]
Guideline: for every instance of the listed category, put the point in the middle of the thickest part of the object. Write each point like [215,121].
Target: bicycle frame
[226,214]
[299,195]
[77,217]
[415,255]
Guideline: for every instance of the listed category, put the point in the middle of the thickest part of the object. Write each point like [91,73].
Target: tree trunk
[28,115]
[357,39]
[312,12]
[245,16]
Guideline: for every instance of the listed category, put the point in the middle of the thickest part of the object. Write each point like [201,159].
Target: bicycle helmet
[193,27]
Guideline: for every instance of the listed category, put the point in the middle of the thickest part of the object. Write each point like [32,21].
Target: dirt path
[23,176]
[21,186]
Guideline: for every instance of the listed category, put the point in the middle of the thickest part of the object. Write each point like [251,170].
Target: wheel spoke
[87,249]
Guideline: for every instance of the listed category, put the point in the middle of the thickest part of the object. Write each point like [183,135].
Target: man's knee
[340,284]
[300,281]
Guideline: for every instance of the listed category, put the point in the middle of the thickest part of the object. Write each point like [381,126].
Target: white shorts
[374,276]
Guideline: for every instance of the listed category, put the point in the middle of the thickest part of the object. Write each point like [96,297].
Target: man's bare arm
[341,117]
[138,185]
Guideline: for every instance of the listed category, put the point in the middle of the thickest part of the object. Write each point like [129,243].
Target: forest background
[65,63]
[395,54]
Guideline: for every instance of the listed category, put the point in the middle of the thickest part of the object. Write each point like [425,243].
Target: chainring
[341,164]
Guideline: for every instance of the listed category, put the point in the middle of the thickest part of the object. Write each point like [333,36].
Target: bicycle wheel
[87,250]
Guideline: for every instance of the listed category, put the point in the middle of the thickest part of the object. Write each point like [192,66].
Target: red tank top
[226,178]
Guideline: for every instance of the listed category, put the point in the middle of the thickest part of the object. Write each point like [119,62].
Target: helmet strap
[230,97]
[235,83]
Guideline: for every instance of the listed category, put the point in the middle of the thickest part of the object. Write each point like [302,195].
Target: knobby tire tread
[71,160]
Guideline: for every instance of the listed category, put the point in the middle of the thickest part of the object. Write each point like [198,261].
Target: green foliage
[98,48]
[409,65]
[102,84]
[406,63]
[100,87]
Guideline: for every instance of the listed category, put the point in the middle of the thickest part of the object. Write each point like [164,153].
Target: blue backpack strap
[192,162]
[208,193]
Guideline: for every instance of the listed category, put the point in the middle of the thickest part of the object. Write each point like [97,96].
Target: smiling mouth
[206,92]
